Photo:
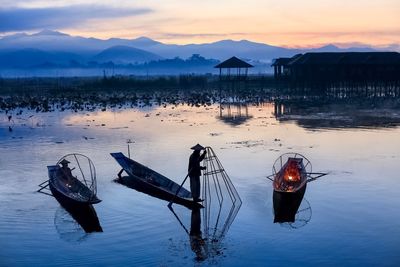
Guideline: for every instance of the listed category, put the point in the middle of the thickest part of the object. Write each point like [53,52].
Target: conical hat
[197,147]
[64,161]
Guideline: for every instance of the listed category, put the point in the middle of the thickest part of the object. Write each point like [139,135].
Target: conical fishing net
[221,200]
[82,168]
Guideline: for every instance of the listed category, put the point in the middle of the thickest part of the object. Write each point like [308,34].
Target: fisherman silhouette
[66,172]
[194,170]
[197,243]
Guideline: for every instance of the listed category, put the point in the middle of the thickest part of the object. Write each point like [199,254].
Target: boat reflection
[74,225]
[292,211]
[85,216]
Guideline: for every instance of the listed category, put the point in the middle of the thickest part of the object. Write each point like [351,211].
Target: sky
[289,23]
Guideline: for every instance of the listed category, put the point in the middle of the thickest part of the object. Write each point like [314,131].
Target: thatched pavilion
[235,69]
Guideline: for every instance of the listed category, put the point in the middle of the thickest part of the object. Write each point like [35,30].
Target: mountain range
[52,48]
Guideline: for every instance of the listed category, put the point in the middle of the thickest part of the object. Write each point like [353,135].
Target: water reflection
[86,217]
[342,113]
[234,113]
[286,205]
[142,229]
[72,229]
[207,244]
[197,243]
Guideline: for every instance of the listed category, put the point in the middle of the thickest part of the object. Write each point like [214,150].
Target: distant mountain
[222,50]
[333,48]
[53,49]
[56,41]
[125,55]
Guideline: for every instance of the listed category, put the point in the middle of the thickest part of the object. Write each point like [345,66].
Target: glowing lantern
[292,171]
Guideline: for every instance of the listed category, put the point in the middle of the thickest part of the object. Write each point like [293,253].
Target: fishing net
[82,168]
[303,216]
[221,200]
[284,158]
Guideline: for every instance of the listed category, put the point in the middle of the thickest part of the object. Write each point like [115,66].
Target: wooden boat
[146,180]
[76,198]
[286,205]
[69,190]
[291,177]
[289,187]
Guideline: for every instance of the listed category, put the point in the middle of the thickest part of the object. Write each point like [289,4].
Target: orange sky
[285,22]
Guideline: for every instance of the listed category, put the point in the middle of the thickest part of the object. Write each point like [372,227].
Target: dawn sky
[284,22]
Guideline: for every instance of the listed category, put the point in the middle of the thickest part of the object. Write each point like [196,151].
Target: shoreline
[102,93]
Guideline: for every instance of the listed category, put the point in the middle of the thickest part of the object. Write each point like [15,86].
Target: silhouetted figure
[10,129]
[9,117]
[194,170]
[197,243]
[66,172]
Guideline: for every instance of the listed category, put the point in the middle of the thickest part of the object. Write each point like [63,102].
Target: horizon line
[342,45]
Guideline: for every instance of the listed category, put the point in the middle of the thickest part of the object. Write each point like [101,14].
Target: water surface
[352,214]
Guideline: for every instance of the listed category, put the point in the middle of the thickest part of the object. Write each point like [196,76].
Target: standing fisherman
[194,170]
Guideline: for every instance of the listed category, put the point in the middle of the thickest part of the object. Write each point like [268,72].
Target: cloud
[18,19]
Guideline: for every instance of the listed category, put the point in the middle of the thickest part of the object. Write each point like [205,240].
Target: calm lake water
[349,218]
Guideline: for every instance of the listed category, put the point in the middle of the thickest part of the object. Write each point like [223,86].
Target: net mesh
[82,168]
[221,199]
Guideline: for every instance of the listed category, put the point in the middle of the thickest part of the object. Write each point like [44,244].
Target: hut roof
[347,58]
[233,62]
[281,61]
[284,61]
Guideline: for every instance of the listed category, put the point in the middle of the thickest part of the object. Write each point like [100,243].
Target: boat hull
[286,204]
[83,213]
[153,187]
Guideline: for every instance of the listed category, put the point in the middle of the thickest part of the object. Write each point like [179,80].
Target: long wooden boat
[69,190]
[76,198]
[146,180]
[290,184]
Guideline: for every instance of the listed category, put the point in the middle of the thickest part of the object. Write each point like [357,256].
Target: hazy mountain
[125,55]
[56,41]
[222,50]
[333,48]
[52,49]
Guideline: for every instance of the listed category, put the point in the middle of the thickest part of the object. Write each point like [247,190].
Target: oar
[179,220]
[179,189]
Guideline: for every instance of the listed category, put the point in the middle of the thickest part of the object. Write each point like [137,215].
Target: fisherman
[194,170]
[66,172]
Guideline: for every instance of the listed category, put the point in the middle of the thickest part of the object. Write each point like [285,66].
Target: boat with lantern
[291,173]
[289,187]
